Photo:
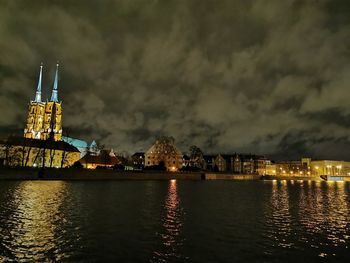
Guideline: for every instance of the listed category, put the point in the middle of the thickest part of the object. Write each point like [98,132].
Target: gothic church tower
[44,119]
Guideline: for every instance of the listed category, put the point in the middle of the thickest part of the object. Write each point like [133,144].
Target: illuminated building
[19,151]
[330,167]
[81,145]
[44,119]
[270,169]
[41,145]
[309,167]
[164,151]
[104,158]
[291,168]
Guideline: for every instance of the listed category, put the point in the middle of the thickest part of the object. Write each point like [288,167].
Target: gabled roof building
[164,151]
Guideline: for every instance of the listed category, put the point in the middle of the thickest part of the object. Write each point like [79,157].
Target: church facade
[44,118]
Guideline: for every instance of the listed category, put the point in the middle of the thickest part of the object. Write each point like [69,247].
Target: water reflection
[30,226]
[278,216]
[77,221]
[324,214]
[172,223]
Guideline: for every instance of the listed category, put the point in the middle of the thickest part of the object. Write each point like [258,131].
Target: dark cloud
[268,77]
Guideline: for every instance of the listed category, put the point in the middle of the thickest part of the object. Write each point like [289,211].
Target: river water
[174,221]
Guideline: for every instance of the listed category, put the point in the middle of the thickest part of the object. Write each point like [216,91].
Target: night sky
[267,77]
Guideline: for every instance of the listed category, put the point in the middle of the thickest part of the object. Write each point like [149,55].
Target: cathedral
[44,119]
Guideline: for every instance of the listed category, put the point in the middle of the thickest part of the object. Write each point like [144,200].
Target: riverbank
[23,173]
[305,178]
[289,178]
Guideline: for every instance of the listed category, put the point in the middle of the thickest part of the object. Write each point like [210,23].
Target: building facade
[44,118]
[237,163]
[105,158]
[309,167]
[164,151]
[330,167]
[20,151]
[138,160]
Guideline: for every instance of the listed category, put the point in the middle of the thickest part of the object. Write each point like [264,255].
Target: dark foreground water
[174,221]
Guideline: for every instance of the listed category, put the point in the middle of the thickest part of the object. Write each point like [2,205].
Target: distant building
[237,163]
[261,164]
[164,151]
[44,118]
[105,158]
[309,167]
[41,144]
[194,159]
[270,169]
[223,163]
[138,160]
[209,162]
[81,145]
[294,167]
[19,151]
[186,161]
[250,164]
[94,149]
[329,167]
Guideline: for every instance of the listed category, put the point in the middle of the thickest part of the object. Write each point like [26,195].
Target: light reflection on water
[279,216]
[309,215]
[327,214]
[172,222]
[31,231]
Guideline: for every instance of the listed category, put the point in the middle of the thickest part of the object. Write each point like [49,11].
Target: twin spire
[38,89]
[54,95]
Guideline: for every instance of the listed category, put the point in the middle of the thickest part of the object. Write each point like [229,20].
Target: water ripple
[174,221]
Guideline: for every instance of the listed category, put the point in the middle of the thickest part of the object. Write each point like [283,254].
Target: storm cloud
[267,77]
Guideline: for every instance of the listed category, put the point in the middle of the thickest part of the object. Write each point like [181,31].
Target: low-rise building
[138,160]
[330,167]
[105,158]
[292,168]
[237,163]
[270,169]
[309,167]
[209,162]
[81,145]
[21,151]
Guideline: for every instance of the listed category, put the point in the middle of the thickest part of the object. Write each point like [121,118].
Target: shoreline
[72,174]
